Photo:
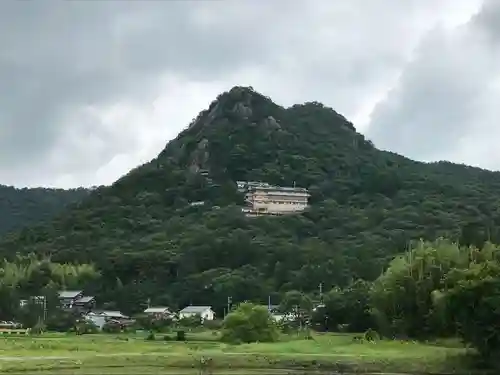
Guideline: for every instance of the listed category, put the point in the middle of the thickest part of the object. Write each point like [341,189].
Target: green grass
[110,354]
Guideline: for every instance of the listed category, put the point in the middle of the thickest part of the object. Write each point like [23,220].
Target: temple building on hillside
[264,199]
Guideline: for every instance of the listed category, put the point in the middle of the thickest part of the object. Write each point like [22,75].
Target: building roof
[272,308]
[108,313]
[85,299]
[195,309]
[69,293]
[155,310]
[281,189]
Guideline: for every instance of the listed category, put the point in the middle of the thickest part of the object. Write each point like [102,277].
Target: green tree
[298,304]
[249,323]
[192,321]
[37,282]
[474,305]
[22,208]
[402,297]
[152,323]
[346,309]
[61,321]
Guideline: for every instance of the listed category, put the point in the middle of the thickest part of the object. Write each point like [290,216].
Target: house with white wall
[205,312]
[99,318]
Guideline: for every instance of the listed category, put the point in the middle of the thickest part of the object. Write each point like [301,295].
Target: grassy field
[202,353]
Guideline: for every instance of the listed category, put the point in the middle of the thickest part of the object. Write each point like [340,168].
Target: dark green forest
[367,205]
[434,289]
[26,207]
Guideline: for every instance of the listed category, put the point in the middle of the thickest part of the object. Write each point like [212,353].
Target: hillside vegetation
[26,207]
[367,204]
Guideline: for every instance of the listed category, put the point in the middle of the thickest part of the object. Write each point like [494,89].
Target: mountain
[366,205]
[26,207]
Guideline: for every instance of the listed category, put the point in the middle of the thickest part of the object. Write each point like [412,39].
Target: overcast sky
[90,89]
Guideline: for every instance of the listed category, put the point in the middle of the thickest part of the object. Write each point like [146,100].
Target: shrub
[371,335]
[111,327]
[249,323]
[62,321]
[213,324]
[87,327]
[38,329]
[308,335]
[150,336]
[130,329]
[181,336]
[191,321]
[343,328]
[147,322]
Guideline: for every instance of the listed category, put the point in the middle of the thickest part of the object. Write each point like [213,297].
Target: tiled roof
[69,293]
[157,310]
[85,299]
[195,309]
[108,313]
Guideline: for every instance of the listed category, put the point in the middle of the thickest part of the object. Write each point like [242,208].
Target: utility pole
[298,316]
[44,309]
[321,292]
[41,300]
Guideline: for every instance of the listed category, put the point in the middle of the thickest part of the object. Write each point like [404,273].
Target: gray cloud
[441,101]
[91,89]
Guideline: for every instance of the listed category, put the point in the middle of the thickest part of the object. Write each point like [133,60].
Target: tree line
[29,289]
[148,243]
[434,289]
[24,207]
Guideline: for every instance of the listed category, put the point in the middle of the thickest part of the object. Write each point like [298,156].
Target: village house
[276,314]
[159,312]
[100,318]
[75,300]
[205,312]
[85,304]
[67,298]
[33,299]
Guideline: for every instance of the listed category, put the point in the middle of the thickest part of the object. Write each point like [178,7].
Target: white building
[159,312]
[205,312]
[277,315]
[99,318]
[265,199]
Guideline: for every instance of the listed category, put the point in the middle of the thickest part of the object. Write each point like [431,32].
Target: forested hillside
[366,206]
[26,207]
